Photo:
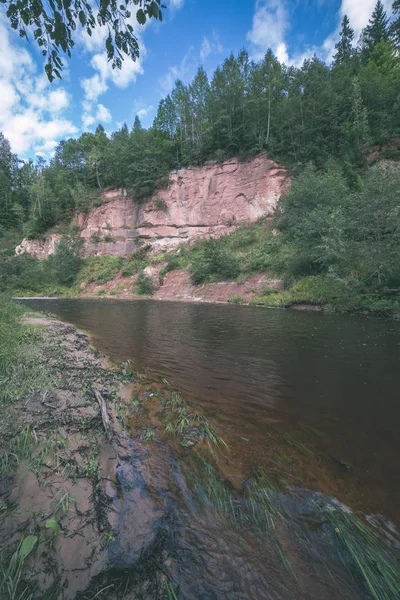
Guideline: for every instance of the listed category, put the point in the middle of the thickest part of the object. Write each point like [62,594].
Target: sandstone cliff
[199,202]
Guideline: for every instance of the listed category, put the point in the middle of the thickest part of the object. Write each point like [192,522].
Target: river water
[323,389]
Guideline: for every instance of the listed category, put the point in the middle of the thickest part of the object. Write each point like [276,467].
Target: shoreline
[100,496]
[296,307]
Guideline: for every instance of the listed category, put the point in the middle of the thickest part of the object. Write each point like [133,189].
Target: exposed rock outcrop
[39,248]
[199,202]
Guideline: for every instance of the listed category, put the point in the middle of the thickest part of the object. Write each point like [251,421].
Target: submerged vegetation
[322,531]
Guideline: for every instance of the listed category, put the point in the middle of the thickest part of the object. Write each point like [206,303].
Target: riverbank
[66,466]
[123,510]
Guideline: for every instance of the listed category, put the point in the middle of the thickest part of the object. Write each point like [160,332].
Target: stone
[199,202]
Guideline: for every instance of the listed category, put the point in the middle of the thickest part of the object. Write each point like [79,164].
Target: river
[324,388]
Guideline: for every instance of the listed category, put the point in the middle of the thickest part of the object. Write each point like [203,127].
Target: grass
[236,300]
[12,586]
[21,372]
[179,421]
[314,290]
[335,538]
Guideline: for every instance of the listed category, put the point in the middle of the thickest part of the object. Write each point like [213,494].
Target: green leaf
[52,524]
[82,17]
[141,17]
[154,9]
[26,547]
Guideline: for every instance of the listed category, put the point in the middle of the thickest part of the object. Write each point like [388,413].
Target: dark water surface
[253,366]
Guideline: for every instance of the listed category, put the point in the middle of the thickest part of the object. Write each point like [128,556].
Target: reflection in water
[250,366]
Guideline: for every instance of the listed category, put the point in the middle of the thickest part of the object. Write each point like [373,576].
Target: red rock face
[199,202]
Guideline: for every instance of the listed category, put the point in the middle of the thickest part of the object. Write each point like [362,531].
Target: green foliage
[237,300]
[53,28]
[161,205]
[67,260]
[213,263]
[315,290]
[100,269]
[144,285]
[19,370]
[351,235]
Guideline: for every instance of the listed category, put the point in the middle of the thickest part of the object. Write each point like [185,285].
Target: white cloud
[269,27]
[31,111]
[103,115]
[143,112]
[360,11]
[190,62]
[210,47]
[94,87]
[167,81]
[271,24]
[176,4]
[100,115]
[58,100]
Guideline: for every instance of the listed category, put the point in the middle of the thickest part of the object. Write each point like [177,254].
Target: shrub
[101,269]
[145,285]
[23,272]
[161,205]
[67,260]
[236,300]
[173,264]
[109,239]
[213,263]
[95,238]
[127,271]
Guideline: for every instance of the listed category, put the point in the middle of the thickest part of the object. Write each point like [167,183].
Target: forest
[329,123]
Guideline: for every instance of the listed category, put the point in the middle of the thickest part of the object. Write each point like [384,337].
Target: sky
[35,115]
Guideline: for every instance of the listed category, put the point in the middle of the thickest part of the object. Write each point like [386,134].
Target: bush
[23,272]
[213,263]
[161,205]
[145,285]
[236,300]
[67,260]
[173,264]
[101,269]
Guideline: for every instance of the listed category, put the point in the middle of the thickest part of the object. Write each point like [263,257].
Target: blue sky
[36,115]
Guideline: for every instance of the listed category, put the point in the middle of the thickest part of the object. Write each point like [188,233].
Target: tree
[53,24]
[67,260]
[377,29]
[344,47]
[395,27]
[8,163]
[137,126]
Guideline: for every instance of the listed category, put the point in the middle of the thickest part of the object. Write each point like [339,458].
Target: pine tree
[395,27]
[137,126]
[344,47]
[377,29]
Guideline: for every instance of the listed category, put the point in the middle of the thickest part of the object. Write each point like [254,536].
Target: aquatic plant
[12,586]
[179,421]
[324,531]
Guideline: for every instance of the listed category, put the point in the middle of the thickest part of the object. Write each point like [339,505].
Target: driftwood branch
[106,421]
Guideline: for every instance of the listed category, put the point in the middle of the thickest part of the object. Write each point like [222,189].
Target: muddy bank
[84,474]
[62,480]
